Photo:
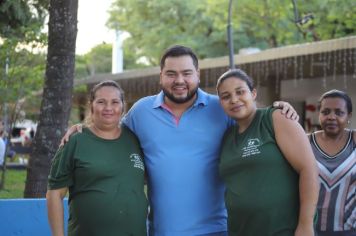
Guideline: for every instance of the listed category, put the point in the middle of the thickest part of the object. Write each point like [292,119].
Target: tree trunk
[57,94]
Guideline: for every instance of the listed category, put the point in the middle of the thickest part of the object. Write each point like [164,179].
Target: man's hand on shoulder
[73,129]
[287,110]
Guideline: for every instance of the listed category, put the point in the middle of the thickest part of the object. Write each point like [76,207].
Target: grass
[14,184]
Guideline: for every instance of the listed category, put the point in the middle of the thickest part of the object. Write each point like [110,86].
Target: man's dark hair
[177,51]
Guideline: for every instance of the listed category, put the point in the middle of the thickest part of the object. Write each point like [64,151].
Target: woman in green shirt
[103,170]
[267,165]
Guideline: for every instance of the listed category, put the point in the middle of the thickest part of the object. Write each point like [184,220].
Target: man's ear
[160,77]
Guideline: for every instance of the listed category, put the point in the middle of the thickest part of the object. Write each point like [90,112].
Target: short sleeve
[61,173]
[269,120]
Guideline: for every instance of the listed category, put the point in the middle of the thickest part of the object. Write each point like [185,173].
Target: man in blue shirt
[180,131]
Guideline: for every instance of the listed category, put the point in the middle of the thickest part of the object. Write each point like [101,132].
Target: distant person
[103,169]
[334,147]
[267,165]
[180,130]
[2,144]
[32,133]
[8,152]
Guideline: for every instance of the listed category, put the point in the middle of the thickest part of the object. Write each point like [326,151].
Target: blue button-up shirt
[185,192]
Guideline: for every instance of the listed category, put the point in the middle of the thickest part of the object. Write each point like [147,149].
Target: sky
[92,16]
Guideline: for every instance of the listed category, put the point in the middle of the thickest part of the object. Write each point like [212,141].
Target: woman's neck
[106,132]
[335,138]
[244,123]
[331,145]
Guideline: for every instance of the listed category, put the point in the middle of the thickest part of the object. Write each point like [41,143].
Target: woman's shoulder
[73,139]
[267,112]
[282,124]
[127,132]
[276,115]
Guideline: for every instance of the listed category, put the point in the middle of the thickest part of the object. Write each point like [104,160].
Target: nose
[331,116]
[108,106]
[234,98]
[179,79]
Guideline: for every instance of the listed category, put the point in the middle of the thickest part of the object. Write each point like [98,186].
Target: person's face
[236,98]
[333,116]
[107,107]
[179,79]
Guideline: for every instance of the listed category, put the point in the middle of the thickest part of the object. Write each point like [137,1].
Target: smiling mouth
[107,115]
[179,90]
[236,108]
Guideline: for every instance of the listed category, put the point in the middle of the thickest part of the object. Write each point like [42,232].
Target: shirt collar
[202,99]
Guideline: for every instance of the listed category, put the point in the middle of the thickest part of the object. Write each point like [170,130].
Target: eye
[225,97]
[325,112]
[116,102]
[188,73]
[340,113]
[170,74]
[240,92]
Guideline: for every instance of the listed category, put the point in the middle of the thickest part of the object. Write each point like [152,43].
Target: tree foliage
[97,61]
[21,42]
[21,70]
[155,24]
[22,75]
[17,16]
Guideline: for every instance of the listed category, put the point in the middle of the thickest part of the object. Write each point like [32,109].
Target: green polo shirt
[106,184]
[262,190]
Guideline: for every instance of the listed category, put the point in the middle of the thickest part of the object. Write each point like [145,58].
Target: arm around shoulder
[72,130]
[296,148]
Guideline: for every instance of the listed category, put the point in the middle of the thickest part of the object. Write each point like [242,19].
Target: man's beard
[180,100]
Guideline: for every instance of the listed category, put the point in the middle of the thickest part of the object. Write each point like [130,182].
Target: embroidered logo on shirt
[251,148]
[136,159]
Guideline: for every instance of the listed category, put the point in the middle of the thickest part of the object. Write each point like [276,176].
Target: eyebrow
[223,93]
[174,71]
[241,87]
[108,99]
